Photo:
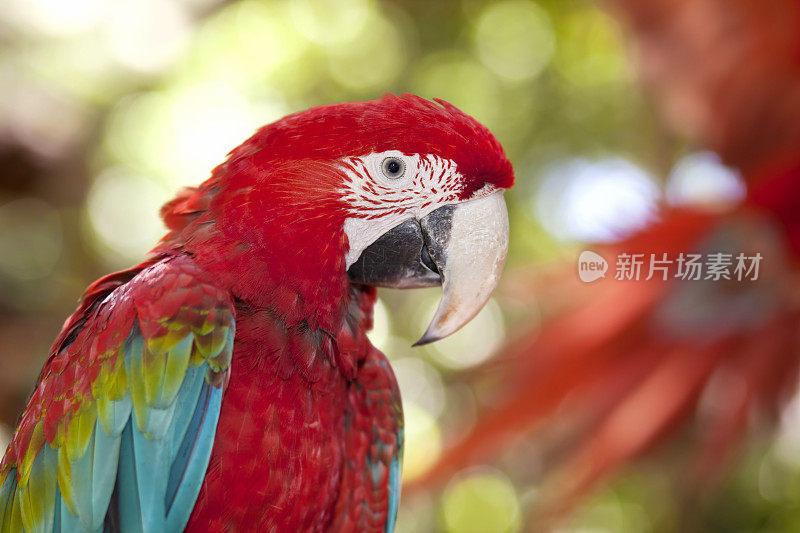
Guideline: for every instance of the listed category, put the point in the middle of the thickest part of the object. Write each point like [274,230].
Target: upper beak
[461,247]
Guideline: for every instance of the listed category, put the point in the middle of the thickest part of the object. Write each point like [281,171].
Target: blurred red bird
[626,364]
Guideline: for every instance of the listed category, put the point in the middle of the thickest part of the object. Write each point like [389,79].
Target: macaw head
[398,192]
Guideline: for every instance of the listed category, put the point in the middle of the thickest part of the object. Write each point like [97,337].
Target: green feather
[37,499]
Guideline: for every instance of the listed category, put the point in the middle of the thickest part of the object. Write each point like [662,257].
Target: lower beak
[461,247]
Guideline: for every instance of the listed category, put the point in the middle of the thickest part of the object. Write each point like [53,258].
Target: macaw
[226,383]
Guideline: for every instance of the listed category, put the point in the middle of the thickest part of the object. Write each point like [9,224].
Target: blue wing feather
[146,498]
[127,505]
[7,499]
[189,468]
[37,512]
[105,458]
[132,455]
[395,468]
[160,502]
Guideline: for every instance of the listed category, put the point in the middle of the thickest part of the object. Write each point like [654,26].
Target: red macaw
[227,383]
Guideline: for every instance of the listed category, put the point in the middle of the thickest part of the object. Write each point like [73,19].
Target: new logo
[591,266]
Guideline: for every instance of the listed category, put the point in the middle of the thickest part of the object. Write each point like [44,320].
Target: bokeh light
[29,110]
[381,325]
[480,500]
[701,179]
[374,59]
[30,239]
[595,200]
[420,383]
[207,121]
[589,51]
[246,43]
[180,136]
[55,17]
[417,513]
[330,21]
[514,38]
[423,441]
[460,80]
[146,35]
[122,210]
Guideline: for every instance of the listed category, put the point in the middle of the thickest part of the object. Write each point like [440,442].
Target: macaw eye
[393,168]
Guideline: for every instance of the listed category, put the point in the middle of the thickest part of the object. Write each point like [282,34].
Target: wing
[370,488]
[119,430]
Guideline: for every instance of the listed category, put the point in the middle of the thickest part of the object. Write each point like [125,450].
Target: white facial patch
[378,202]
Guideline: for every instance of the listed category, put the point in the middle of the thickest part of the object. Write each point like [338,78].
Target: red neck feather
[272,233]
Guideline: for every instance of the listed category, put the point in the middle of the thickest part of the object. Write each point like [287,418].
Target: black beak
[408,256]
[461,247]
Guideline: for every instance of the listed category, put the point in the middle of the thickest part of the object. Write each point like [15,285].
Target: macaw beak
[461,247]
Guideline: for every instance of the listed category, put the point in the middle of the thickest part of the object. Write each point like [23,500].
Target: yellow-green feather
[176,333]
[10,517]
[65,479]
[37,498]
[79,431]
[175,371]
[36,443]
[153,366]
[139,378]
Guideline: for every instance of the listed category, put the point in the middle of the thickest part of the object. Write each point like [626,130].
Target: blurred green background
[107,107]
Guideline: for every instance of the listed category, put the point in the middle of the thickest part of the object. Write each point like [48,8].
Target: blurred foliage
[108,107]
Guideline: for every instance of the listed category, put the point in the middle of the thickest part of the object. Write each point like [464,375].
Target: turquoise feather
[193,456]
[138,465]
[8,499]
[93,477]
[39,495]
[128,508]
